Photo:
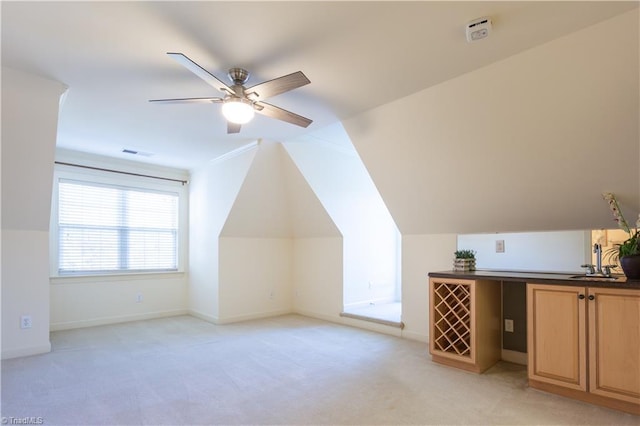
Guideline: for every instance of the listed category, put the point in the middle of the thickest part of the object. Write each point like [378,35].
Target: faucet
[597,249]
[597,269]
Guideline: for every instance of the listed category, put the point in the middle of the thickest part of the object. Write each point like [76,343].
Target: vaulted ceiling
[358,56]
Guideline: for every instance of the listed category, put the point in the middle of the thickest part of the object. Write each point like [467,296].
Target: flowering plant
[631,245]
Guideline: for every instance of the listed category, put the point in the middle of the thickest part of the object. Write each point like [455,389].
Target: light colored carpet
[283,370]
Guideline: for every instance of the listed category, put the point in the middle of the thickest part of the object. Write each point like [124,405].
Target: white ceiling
[358,55]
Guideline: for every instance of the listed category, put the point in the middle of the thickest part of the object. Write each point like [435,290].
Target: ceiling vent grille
[135,152]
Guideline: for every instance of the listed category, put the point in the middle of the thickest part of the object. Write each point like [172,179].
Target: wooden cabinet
[614,343]
[465,323]
[584,342]
[557,335]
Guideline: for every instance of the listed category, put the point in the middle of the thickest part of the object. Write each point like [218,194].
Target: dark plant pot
[631,266]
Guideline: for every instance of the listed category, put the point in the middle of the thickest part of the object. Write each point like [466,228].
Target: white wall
[559,251]
[525,144]
[213,190]
[261,208]
[274,208]
[25,291]
[255,278]
[89,301]
[371,240]
[29,122]
[317,277]
[97,300]
[422,254]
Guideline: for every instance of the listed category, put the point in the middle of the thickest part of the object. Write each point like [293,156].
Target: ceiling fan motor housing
[238,76]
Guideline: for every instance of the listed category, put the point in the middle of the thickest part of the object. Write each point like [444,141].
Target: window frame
[118,179]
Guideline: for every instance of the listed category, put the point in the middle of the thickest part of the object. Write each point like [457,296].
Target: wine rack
[452,318]
[464,329]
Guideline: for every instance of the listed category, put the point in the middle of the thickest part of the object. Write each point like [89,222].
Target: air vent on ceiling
[135,152]
[478,29]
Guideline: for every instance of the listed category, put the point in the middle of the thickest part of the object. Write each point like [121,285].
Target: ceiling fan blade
[282,114]
[187,100]
[200,72]
[278,85]
[233,127]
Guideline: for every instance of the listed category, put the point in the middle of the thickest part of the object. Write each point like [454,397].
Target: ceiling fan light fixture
[238,110]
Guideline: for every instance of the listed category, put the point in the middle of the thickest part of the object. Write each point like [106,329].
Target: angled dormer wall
[281,247]
[256,228]
[528,143]
[213,190]
[334,170]
[259,245]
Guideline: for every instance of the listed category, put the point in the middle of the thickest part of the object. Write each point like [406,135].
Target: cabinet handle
[581,296]
[591,297]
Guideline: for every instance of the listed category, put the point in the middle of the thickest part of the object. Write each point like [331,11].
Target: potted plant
[628,251]
[465,260]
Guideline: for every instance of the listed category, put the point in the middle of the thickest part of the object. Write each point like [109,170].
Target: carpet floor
[288,370]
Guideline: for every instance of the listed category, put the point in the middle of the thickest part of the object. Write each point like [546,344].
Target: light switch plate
[499,246]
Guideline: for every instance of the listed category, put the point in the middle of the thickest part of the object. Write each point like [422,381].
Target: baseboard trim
[412,335]
[318,315]
[70,325]
[27,351]
[203,316]
[352,322]
[249,317]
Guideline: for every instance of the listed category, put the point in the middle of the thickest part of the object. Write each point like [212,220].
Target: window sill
[67,279]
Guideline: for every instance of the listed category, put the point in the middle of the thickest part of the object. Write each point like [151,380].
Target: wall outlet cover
[25,321]
[508,325]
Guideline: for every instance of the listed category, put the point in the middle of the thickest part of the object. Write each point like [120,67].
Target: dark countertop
[538,278]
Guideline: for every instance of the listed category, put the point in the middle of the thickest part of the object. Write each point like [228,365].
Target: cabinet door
[557,335]
[614,343]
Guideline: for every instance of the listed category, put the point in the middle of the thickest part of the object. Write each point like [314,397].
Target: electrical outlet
[139,298]
[508,325]
[25,321]
[499,246]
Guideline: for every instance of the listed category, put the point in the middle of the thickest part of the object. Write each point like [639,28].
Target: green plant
[631,245]
[465,254]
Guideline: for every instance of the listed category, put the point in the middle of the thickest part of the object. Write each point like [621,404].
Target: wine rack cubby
[452,318]
[465,322]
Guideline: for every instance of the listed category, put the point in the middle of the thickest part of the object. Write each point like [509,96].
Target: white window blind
[109,228]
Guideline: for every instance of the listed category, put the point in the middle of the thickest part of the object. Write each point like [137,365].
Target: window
[109,228]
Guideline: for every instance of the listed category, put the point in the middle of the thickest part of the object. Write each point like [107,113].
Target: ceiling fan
[240,103]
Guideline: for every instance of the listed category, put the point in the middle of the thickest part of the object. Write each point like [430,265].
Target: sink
[592,278]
